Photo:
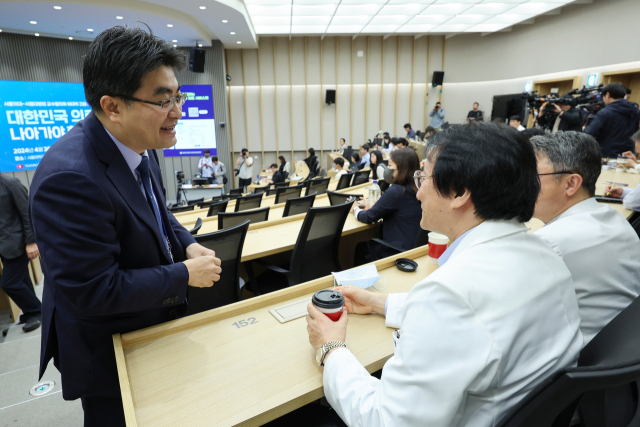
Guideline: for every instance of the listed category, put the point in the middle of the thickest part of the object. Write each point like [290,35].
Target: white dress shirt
[602,252]
[476,336]
[631,197]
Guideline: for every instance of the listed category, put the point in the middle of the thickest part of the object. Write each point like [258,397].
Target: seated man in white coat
[598,244]
[498,316]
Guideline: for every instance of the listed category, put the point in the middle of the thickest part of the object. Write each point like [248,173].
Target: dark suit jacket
[105,265]
[15,229]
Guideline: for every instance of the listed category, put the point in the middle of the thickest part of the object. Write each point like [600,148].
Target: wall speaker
[196,60]
[438,78]
[330,98]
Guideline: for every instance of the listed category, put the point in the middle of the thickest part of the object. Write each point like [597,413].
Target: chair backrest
[251,201]
[611,359]
[228,247]
[279,185]
[340,198]
[635,223]
[361,177]
[347,153]
[195,202]
[345,181]
[316,252]
[215,208]
[197,227]
[236,191]
[258,190]
[285,193]
[183,209]
[318,185]
[298,205]
[230,219]
[314,169]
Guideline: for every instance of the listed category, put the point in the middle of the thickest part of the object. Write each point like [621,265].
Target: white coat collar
[588,205]
[489,230]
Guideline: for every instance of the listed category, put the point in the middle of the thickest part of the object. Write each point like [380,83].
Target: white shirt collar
[132,158]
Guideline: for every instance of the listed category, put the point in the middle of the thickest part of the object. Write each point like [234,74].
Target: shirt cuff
[637,167]
[394,309]
[357,211]
[626,191]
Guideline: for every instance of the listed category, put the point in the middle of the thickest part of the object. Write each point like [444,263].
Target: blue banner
[196,130]
[33,116]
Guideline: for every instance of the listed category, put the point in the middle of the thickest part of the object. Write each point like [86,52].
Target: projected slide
[196,131]
[33,116]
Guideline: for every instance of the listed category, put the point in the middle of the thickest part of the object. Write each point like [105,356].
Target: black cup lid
[406,264]
[327,298]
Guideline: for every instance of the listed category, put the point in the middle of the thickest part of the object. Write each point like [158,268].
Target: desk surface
[204,371]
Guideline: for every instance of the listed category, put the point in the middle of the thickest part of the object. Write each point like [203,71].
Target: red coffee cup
[329,302]
[437,245]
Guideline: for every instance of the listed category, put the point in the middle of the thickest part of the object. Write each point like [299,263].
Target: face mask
[362,277]
[388,175]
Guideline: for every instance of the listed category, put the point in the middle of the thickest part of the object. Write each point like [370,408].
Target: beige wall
[277,91]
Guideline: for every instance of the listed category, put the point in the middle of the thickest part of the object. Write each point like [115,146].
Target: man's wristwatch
[322,351]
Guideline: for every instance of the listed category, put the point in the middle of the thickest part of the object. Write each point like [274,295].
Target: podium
[237,365]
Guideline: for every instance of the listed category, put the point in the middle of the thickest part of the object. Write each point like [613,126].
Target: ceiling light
[170,25]
[315,10]
[468,19]
[232,33]
[380,28]
[175,45]
[200,45]
[272,29]
[90,30]
[70,38]
[33,22]
[344,29]
[37,35]
[239,42]
[351,20]
[175,41]
[422,28]
[360,9]
[203,7]
[311,20]
[224,21]
[119,17]
[445,9]
[0,30]
[429,19]
[451,28]
[486,28]
[57,7]
[308,29]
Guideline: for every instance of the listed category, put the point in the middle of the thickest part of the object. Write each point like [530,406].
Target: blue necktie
[145,176]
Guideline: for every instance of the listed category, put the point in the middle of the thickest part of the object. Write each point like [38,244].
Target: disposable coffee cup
[621,164]
[437,245]
[329,302]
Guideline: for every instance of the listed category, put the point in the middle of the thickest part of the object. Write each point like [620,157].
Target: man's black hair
[273,165]
[244,150]
[615,90]
[495,163]
[534,131]
[366,147]
[214,159]
[207,151]
[407,125]
[516,118]
[312,151]
[119,58]
[403,141]
[339,161]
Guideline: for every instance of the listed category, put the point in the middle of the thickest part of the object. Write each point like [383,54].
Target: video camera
[179,177]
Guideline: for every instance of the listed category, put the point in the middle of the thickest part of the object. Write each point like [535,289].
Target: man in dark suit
[17,247]
[114,259]
[278,176]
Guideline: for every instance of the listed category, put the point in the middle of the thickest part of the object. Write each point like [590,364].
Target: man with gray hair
[598,245]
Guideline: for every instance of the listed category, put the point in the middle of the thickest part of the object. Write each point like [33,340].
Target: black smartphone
[603,199]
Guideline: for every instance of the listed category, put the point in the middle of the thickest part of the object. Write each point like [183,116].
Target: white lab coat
[602,252]
[631,197]
[476,336]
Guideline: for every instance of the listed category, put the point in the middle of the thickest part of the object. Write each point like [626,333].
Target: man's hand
[471,118]
[556,108]
[613,192]
[196,250]
[203,271]
[32,250]
[360,301]
[322,330]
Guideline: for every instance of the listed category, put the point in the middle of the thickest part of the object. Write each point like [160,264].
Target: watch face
[319,355]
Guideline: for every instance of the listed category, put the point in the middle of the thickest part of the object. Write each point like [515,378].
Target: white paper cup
[437,245]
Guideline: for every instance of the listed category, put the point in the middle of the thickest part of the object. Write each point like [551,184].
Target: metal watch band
[330,346]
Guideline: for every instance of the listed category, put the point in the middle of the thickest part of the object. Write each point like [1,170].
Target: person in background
[376,160]
[613,126]
[387,143]
[311,160]
[338,164]
[485,328]
[17,247]
[205,167]
[397,207]
[277,176]
[410,132]
[355,162]
[597,244]
[630,197]
[516,123]
[393,144]
[244,165]
[219,171]
[402,143]
[437,115]
[365,160]
[284,165]
[568,117]
[475,115]
[428,132]
[343,143]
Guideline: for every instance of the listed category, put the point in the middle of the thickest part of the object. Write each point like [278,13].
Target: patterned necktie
[145,176]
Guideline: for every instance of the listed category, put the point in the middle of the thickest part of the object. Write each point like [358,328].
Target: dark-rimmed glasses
[418,178]
[166,104]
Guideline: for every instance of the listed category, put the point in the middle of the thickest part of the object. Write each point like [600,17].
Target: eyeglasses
[555,173]
[166,104]
[419,178]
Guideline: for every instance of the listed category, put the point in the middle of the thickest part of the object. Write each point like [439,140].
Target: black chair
[314,169]
[215,208]
[213,201]
[195,202]
[314,255]
[183,209]
[228,247]
[361,177]
[286,193]
[248,202]
[259,190]
[318,185]
[197,227]
[603,387]
[230,219]
[347,153]
[379,249]
[279,185]
[298,205]
[236,191]
[340,198]
[635,223]
[345,181]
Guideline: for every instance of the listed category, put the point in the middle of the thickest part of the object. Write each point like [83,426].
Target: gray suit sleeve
[222,169]
[21,200]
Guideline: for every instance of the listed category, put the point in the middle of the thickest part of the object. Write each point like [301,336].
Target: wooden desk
[204,371]
[332,156]
[203,191]
[302,170]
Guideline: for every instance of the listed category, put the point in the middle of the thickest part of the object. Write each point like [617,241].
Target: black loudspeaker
[438,78]
[330,98]
[196,60]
